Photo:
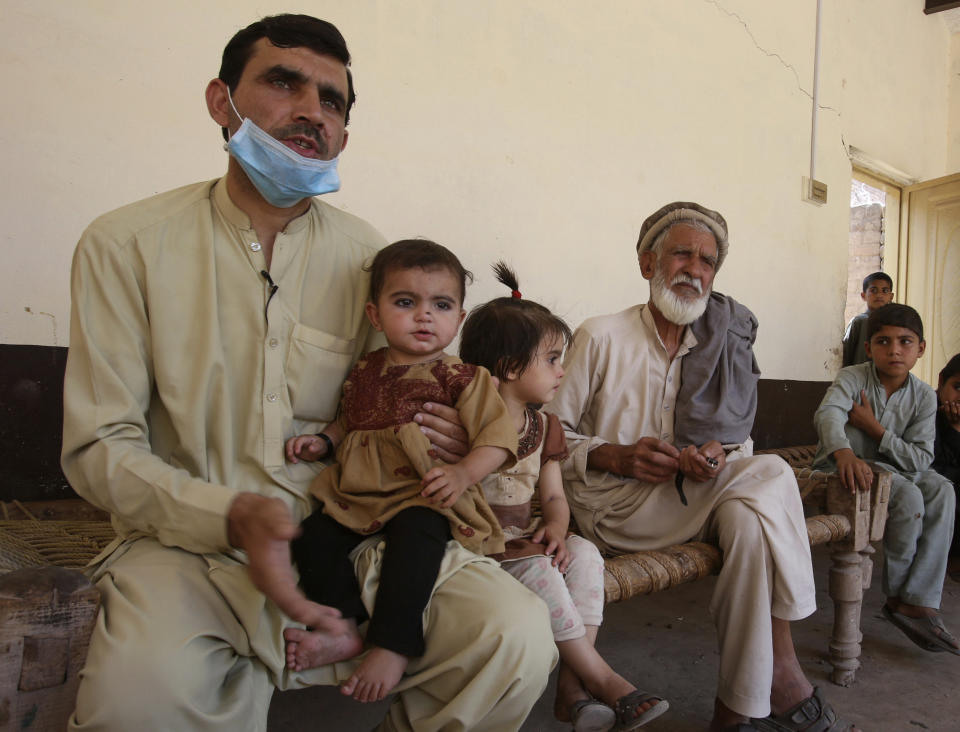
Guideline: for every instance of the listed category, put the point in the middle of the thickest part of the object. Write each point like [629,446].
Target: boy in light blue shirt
[879,412]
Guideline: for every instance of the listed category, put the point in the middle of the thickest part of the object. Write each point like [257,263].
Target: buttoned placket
[668,400]
[275,395]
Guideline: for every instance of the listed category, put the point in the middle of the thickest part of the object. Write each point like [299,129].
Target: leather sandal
[813,714]
[591,715]
[927,632]
[627,706]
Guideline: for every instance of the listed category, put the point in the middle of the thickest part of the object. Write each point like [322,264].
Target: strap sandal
[929,633]
[813,714]
[627,708]
[591,715]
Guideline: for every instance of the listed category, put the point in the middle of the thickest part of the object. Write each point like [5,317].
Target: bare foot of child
[312,648]
[380,671]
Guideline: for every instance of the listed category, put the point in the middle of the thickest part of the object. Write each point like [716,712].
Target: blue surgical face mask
[282,176]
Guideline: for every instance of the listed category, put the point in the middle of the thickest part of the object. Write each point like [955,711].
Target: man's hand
[861,416]
[951,411]
[854,473]
[263,528]
[441,424]
[694,461]
[649,460]
[305,447]
[445,484]
[554,536]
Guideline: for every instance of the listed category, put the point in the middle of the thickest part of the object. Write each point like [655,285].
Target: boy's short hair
[876,276]
[951,369]
[415,254]
[896,315]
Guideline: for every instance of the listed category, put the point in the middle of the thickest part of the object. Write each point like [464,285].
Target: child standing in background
[877,292]
[521,343]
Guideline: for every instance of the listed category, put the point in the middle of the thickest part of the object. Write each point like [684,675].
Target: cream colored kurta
[188,367]
[172,318]
[619,386]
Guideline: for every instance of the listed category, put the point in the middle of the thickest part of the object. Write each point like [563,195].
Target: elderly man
[210,323]
[657,404]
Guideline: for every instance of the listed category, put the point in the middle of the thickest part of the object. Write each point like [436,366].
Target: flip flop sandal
[590,715]
[929,633]
[813,714]
[626,710]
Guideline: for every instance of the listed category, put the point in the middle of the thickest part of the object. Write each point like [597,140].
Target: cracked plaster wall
[539,131]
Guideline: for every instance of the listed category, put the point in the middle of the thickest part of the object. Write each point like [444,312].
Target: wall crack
[769,54]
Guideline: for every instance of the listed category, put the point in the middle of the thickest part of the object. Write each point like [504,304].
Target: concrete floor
[665,643]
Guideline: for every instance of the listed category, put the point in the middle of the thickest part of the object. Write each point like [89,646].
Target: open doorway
[874,221]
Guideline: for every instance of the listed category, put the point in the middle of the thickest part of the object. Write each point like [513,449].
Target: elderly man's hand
[693,461]
[650,460]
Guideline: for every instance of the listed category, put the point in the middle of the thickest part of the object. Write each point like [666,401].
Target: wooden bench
[849,522]
[48,611]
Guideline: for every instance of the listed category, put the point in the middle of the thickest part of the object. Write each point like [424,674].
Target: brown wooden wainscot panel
[31,419]
[31,422]
[785,413]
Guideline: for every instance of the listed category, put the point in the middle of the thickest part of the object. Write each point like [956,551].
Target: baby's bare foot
[312,648]
[380,671]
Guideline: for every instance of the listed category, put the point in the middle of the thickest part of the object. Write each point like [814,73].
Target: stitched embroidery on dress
[370,393]
[532,435]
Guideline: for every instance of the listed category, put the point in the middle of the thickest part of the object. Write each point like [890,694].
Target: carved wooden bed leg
[846,591]
[866,555]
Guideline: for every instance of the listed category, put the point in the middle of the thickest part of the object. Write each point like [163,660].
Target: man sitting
[210,324]
[657,416]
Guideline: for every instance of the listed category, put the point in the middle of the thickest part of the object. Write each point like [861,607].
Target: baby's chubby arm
[446,483]
[313,447]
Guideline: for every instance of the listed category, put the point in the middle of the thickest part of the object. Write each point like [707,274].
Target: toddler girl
[384,479]
[521,343]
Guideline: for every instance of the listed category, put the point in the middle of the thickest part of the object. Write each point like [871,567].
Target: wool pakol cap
[679,211]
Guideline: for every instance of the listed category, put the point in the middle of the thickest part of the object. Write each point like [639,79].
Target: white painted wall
[540,131]
[953,143]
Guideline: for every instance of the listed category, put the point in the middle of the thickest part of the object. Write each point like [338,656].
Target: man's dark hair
[415,254]
[951,369]
[896,315]
[503,335]
[876,276]
[286,31]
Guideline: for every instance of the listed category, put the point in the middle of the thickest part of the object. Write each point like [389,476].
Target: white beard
[673,307]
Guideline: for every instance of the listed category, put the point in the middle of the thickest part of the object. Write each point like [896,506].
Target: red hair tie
[515,293]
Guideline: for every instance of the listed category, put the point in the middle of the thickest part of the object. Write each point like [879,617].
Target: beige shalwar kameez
[188,368]
[621,386]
